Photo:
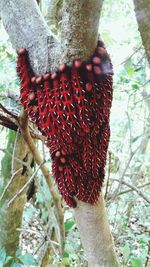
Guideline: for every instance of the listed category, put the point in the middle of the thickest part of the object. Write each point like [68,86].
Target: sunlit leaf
[69,225]
[16,265]
[2,255]
[137,262]
[27,259]
[66,261]
[126,252]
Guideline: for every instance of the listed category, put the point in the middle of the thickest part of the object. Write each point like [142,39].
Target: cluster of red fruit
[71,107]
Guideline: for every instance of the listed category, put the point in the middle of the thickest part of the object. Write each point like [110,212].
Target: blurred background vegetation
[128,166]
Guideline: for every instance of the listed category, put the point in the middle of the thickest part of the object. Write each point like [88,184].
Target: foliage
[18,261]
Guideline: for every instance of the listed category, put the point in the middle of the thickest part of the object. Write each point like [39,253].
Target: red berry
[35,108]
[31,96]
[78,63]
[89,67]
[60,168]
[87,130]
[63,160]
[62,67]
[53,75]
[46,76]
[97,70]
[33,79]
[38,80]
[88,87]
[96,60]
[21,51]
[57,154]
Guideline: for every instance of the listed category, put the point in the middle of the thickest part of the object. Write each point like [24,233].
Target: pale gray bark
[95,234]
[26,28]
[78,40]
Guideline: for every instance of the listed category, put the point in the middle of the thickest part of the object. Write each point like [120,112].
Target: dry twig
[134,188]
[130,190]
[9,183]
[23,122]
[24,187]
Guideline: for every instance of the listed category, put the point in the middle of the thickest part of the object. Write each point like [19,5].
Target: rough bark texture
[27,28]
[79,32]
[11,217]
[78,40]
[142,10]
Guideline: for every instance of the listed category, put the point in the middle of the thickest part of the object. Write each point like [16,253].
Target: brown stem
[23,121]
[134,188]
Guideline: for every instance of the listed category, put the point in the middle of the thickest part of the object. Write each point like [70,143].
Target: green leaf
[66,261]
[39,197]
[69,225]
[18,252]
[130,71]
[128,64]
[29,213]
[16,264]
[2,255]
[137,262]
[65,254]
[27,259]
[8,258]
[136,138]
[126,252]
[136,86]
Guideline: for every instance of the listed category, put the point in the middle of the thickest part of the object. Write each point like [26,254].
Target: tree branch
[79,30]
[134,188]
[9,182]
[8,112]
[26,28]
[25,186]
[10,94]
[130,190]
[23,121]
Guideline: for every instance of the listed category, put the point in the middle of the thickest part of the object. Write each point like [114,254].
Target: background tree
[16,173]
[75,43]
[142,10]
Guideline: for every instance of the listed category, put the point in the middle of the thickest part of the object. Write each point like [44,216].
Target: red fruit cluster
[71,107]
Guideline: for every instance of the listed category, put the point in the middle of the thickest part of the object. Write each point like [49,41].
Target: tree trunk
[95,234]
[79,34]
[142,11]
[13,170]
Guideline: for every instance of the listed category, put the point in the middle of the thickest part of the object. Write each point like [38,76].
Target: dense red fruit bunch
[71,107]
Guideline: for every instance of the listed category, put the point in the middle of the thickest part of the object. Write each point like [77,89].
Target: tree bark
[78,40]
[79,31]
[11,217]
[23,121]
[95,234]
[26,28]
[142,11]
